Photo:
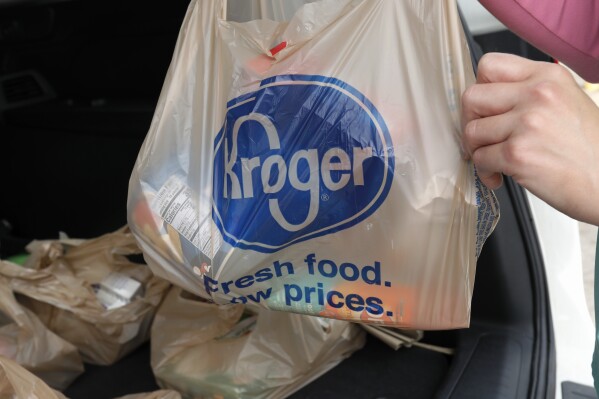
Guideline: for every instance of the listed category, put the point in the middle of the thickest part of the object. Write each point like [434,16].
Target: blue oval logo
[301,157]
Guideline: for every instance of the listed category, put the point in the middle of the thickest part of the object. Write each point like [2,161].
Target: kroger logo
[301,157]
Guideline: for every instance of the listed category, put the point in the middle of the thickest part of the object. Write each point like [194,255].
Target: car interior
[79,81]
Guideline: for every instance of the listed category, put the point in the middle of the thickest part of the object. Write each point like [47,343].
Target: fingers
[501,80]
[484,140]
[489,161]
[514,101]
[481,100]
[488,112]
[499,67]
[487,131]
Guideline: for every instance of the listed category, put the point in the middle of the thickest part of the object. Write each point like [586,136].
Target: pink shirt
[568,30]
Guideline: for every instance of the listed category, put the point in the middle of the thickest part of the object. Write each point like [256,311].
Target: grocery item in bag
[205,350]
[314,165]
[25,339]
[91,294]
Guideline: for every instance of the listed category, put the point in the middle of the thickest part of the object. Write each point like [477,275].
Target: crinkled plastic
[18,383]
[162,394]
[205,350]
[314,165]
[25,339]
[59,290]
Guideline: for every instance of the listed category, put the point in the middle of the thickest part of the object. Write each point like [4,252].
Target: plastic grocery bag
[205,350]
[277,10]
[18,383]
[314,165]
[24,339]
[162,394]
[80,293]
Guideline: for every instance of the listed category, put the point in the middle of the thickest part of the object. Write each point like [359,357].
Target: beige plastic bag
[162,394]
[313,165]
[212,351]
[18,383]
[25,339]
[63,292]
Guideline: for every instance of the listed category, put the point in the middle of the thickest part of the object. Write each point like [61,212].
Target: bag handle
[223,10]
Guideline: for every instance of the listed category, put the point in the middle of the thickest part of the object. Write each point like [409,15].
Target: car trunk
[78,85]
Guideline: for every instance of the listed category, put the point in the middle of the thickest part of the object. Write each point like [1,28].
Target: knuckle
[532,121]
[546,91]
[470,133]
[557,72]
[478,158]
[514,153]
[468,97]
[485,64]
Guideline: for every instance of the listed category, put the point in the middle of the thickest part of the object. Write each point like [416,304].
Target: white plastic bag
[205,350]
[276,10]
[27,341]
[18,383]
[64,290]
[162,394]
[314,165]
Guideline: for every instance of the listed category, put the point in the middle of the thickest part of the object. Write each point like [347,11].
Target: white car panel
[480,21]
[573,328]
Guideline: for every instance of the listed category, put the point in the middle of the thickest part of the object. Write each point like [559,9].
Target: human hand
[531,121]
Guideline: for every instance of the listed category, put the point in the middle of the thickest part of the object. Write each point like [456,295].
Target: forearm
[567,30]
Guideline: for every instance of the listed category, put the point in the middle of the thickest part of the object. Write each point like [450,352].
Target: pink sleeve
[568,30]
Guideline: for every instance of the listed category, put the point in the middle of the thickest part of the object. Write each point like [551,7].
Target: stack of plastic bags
[27,341]
[89,293]
[18,383]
